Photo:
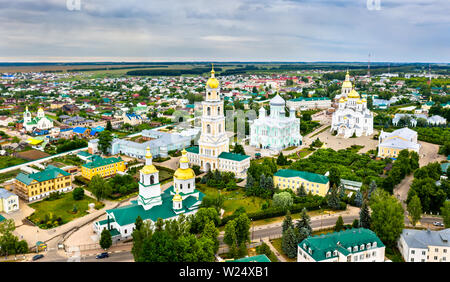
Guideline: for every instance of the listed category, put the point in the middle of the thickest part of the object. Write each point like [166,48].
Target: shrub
[78,194]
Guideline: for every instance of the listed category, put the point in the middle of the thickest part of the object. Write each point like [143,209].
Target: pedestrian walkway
[272,248]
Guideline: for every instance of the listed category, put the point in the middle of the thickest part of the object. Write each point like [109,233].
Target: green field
[7,161]
[62,208]
[234,199]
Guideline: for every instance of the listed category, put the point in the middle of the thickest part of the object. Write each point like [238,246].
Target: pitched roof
[50,172]
[424,238]
[98,161]
[312,177]
[233,156]
[5,194]
[128,214]
[339,241]
[193,149]
[258,258]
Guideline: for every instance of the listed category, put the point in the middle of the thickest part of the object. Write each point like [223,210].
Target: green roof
[193,149]
[233,156]
[84,154]
[339,241]
[309,176]
[50,172]
[99,161]
[310,99]
[444,167]
[1,218]
[258,258]
[128,214]
[114,232]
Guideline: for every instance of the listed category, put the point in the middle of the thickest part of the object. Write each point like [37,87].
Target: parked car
[102,255]
[36,257]
[437,223]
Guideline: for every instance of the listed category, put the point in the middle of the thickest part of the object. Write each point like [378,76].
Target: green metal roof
[258,258]
[114,232]
[233,156]
[50,172]
[1,218]
[128,214]
[339,241]
[193,149]
[99,161]
[310,99]
[309,176]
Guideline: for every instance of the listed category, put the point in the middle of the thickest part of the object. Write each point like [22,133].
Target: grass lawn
[60,208]
[9,175]
[276,243]
[234,199]
[393,254]
[281,218]
[7,161]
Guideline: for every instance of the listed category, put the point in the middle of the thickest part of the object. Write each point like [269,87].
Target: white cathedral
[352,115]
[276,131]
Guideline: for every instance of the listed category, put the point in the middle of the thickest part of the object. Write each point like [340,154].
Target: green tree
[301,192]
[99,187]
[109,126]
[289,242]
[339,224]
[282,200]
[239,149]
[78,194]
[335,177]
[414,209]
[243,228]
[364,216]
[287,222]
[203,217]
[333,199]
[104,141]
[212,232]
[355,223]
[304,222]
[445,211]
[105,239]
[387,218]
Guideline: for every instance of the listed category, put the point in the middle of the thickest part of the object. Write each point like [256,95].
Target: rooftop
[309,176]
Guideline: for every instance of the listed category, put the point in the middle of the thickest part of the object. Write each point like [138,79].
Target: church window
[208,128]
[209,111]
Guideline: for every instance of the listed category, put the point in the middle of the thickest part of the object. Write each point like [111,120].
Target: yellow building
[38,185]
[317,184]
[102,166]
[391,143]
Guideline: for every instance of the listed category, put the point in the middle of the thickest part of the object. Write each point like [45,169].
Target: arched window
[152,179]
[218,110]
[220,128]
[208,128]
[208,111]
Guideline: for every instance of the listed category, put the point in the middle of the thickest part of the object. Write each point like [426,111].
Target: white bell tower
[149,186]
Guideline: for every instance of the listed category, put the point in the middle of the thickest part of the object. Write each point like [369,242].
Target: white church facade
[153,203]
[275,131]
[352,116]
[40,122]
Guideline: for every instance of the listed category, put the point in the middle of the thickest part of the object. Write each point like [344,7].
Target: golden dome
[184,159]
[148,169]
[359,102]
[177,198]
[347,84]
[364,100]
[148,155]
[341,100]
[353,94]
[184,173]
[212,81]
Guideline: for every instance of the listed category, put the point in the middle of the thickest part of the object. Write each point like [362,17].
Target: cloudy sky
[227,30]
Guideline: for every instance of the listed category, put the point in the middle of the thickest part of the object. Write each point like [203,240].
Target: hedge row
[275,212]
